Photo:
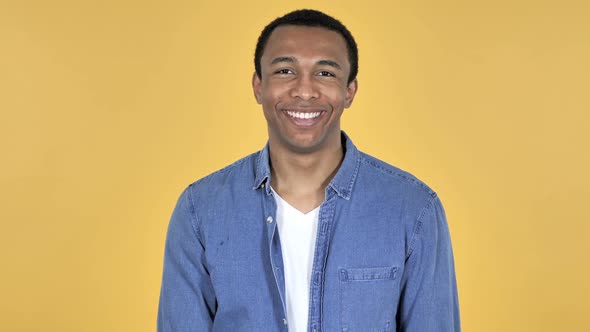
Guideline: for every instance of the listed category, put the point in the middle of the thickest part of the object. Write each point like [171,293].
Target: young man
[308,234]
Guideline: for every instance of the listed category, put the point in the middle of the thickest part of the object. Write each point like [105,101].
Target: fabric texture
[383,259]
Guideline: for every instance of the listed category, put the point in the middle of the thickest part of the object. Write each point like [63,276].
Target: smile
[303,115]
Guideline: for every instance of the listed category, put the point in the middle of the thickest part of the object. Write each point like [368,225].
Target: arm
[429,301]
[187,299]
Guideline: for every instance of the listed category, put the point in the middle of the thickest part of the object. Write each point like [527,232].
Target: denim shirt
[383,259]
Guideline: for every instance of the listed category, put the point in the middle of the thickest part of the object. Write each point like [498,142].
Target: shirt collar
[342,182]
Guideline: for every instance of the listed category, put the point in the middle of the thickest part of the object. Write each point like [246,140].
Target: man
[309,234]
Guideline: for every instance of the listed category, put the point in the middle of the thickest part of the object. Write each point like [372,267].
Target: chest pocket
[368,299]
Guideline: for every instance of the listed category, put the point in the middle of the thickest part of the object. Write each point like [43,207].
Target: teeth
[301,115]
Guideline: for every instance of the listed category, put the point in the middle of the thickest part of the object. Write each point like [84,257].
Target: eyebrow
[291,59]
[329,63]
[283,59]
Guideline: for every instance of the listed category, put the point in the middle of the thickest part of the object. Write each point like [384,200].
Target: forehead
[305,42]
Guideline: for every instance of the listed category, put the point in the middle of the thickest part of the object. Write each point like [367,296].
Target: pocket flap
[367,274]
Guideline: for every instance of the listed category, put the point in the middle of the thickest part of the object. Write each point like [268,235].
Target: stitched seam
[354,174]
[193,213]
[259,165]
[418,225]
[400,175]
[225,169]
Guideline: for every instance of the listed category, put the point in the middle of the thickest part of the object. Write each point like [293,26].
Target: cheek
[269,102]
[336,98]
[272,98]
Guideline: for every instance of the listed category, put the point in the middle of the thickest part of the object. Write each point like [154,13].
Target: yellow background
[110,108]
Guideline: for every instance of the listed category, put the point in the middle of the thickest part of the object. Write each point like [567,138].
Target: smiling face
[303,87]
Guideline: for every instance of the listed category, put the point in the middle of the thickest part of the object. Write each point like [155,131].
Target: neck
[304,174]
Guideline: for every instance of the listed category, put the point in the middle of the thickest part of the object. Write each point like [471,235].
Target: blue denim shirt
[383,259]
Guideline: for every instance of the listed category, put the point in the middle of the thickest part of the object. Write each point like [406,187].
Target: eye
[326,73]
[284,71]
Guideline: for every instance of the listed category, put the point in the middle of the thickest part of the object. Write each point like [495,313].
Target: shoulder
[233,175]
[389,173]
[403,194]
[390,187]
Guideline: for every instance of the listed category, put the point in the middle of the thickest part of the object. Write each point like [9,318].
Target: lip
[304,123]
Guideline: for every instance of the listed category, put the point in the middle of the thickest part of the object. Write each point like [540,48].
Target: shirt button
[285,321]
[269,220]
[262,185]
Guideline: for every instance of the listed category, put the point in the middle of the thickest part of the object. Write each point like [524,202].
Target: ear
[256,87]
[350,93]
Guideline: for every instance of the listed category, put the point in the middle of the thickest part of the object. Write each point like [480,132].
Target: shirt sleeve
[429,300]
[187,299]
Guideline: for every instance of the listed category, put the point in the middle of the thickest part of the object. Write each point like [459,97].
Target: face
[303,88]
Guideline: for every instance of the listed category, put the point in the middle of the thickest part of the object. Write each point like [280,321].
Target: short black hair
[309,18]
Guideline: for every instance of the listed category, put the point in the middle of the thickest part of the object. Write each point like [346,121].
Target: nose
[304,88]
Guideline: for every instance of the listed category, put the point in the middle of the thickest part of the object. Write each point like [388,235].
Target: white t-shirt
[297,232]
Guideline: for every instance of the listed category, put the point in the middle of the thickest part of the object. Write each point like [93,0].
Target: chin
[307,146]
